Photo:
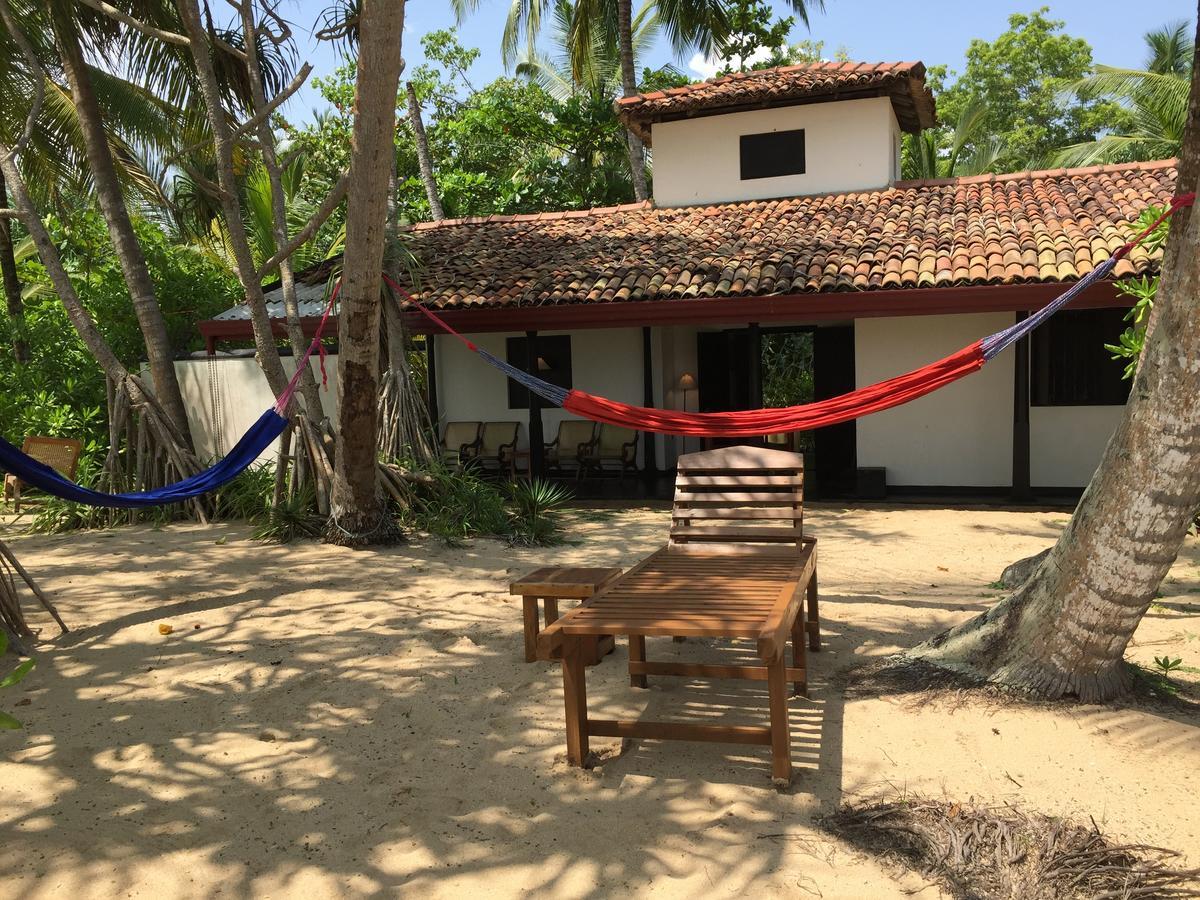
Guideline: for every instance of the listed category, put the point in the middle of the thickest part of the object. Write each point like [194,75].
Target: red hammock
[883,395]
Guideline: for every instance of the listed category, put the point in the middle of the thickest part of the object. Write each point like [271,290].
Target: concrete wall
[225,396]
[849,145]
[960,435]
[1066,442]
[606,361]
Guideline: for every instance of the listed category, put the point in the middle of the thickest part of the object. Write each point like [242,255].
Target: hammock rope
[864,401]
[856,404]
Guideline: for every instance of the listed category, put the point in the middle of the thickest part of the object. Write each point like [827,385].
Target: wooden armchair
[460,440]
[615,447]
[498,447]
[575,440]
[61,454]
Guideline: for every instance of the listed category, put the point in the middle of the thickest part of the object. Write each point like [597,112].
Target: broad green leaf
[17,674]
[8,722]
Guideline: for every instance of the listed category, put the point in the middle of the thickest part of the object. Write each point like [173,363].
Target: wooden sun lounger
[737,565]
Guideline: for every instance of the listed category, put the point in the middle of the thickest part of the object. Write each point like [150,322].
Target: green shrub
[293,518]
[535,518]
[247,496]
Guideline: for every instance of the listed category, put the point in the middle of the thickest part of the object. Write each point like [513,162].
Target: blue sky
[933,31]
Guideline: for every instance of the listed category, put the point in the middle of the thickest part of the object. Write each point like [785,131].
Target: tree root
[1000,853]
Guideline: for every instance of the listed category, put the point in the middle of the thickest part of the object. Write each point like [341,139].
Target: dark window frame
[772,154]
[555,349]
[1068,364]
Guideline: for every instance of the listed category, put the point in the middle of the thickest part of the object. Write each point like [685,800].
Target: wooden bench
[737,565]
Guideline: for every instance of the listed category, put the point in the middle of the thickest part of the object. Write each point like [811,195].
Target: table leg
[530,612]
[781,739]
[551,607]
[814,616]
[799,657]
[637,653]
[575,694]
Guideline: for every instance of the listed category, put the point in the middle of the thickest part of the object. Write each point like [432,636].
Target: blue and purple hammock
[864,401]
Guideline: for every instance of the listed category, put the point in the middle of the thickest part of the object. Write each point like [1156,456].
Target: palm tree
[927,155]
[1156,97]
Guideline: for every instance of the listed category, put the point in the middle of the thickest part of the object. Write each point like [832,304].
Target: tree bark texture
[358,511]
[424,157]
[120,226]
[637,152]
[12,284]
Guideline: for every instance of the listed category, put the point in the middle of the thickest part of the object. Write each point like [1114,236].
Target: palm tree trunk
[424,158]
[12,284]
[358,512]
[1064,632]
[637,152]
[120,226]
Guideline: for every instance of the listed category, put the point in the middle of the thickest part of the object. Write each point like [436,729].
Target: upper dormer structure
[787,132]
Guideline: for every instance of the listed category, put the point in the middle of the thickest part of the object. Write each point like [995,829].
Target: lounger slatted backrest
[61,454]
[738,498]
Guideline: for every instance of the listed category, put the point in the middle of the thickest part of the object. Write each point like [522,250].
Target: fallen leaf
[164,628]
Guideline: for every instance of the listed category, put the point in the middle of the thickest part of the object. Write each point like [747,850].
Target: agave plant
[535,518]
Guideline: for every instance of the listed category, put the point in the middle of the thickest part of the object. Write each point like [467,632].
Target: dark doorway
[723,370]
[835,447]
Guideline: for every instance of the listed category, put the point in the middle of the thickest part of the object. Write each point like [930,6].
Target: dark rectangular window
[553,365]
[772,154]
[1069,365]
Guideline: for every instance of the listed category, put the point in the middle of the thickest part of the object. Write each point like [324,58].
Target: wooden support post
[575,695]
[537,441]
[649,438]
[781,738]
[1021,488]
[431,376]
[637,654]
[551,607]
[799,663]
[530,613]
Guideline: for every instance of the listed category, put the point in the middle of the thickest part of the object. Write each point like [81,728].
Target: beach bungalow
[780,220]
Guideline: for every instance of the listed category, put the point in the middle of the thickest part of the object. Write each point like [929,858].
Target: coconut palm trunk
[424,157]
[1064,632]
[120,227]
[637,151]
[358,513]
[12,284]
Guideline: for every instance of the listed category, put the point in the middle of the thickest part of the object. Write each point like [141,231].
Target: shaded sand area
[324,722]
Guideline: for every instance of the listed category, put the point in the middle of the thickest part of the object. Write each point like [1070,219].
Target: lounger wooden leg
[637,653]
[814,616]
[575,694]
[530,611]
[799,657]
[781,739]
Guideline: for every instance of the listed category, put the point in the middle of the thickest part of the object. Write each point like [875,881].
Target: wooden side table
[554,583]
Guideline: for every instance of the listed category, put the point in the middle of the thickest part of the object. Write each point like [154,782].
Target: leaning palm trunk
[358,513]
[120,227]
[637,151]
[424,157]
[12,284]
[1064,632]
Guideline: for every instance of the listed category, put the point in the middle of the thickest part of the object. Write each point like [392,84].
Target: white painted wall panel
[958,436]
[1066,442]
[849,145]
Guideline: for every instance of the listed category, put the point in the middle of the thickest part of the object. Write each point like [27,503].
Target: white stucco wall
[1066,442]
[960,435]
[849,145]
[226,396]
[604,361]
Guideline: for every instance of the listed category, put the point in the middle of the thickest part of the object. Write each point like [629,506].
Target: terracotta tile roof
[1029,227]
[904,82]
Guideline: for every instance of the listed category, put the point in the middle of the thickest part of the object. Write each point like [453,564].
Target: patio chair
[614,446]
[571,445]
[460,440]
[61,454]
[497,447]
[737,565]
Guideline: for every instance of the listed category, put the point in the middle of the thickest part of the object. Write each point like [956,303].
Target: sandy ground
[324,722]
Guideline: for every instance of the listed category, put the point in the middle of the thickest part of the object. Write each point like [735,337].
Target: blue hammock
[268,427]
